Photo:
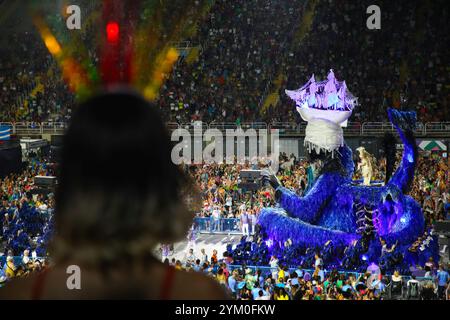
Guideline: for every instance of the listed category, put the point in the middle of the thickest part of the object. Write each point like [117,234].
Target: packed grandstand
[233,73]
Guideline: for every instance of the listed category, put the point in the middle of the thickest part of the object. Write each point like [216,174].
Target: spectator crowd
[383,68]
[278,282]
[249,50]
[223,198]
[26,223]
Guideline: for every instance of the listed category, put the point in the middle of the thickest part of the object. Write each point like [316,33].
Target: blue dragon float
[348,224]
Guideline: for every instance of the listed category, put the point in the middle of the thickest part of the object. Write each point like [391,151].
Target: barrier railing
[222,225]
[230,125]
[433,128]
[194,126]
[172,125]
[285,128]
[376,127]
[223,125]
[420,129]
[54,127]
[27,128]
[353,128]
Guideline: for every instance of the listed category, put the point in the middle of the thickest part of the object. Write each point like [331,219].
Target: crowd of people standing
[278,282]
[222,197]
[251,49]
[26,220]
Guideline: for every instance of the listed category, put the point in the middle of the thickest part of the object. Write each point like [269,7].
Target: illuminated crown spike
[312,86]
[329,99]
[331,75]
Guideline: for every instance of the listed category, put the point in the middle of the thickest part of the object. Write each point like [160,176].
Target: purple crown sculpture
[328,99]
[326,106]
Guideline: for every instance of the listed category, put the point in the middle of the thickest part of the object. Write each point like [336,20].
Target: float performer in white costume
[365,165]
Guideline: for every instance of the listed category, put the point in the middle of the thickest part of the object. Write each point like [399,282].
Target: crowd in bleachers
[26,221]
[221,195]
[26,216]
[247,47]
[382,68]
[431,188]
[31,86]
[242,46]
[219,187]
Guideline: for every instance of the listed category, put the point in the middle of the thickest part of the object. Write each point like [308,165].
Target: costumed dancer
[365,165]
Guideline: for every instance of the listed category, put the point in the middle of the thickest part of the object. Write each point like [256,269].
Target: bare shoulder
[194,285]
[18,289]
[50,284]
[185,286]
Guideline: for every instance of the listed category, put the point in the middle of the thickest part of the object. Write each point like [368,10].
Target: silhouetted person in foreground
[119,196]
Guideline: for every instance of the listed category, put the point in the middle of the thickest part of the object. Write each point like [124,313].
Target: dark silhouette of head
[119,192]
